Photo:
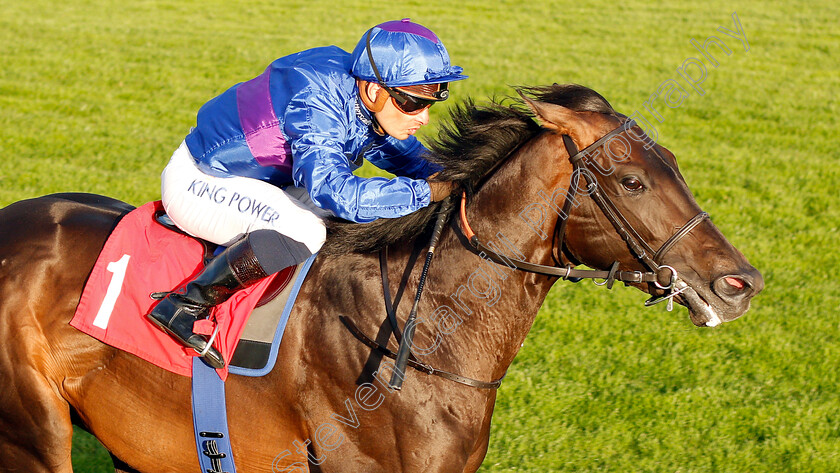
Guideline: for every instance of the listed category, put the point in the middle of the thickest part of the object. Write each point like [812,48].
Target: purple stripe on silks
[260,123]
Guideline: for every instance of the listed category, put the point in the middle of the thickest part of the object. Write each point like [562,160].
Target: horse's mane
[475,140]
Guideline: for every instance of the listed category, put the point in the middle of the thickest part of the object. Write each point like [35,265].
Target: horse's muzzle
[728,298]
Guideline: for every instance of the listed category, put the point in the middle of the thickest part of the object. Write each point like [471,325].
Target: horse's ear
[552,116]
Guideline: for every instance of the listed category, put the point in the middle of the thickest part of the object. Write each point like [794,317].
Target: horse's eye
[632,184]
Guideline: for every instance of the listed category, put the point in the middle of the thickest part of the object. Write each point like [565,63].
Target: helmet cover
[404,53]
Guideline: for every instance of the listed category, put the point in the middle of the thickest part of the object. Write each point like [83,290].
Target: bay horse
[324,407]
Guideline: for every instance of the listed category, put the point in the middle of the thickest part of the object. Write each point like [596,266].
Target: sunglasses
[414,103]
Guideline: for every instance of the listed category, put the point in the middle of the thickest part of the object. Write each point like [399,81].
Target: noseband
[638,246]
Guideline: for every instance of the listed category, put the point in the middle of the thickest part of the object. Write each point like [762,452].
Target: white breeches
[222,209]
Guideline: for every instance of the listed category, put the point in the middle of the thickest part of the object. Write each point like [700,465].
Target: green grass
[95,96]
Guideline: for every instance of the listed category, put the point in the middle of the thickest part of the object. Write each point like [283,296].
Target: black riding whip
[408,333]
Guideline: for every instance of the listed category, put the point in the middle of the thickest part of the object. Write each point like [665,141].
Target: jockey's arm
[317,135]
[403,158]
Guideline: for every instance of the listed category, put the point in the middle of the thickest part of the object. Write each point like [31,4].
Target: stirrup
[209,342]
[211,355]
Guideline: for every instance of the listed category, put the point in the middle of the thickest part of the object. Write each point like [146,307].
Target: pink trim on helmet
[406,26]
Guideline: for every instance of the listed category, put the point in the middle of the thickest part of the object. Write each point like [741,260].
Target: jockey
[270,158]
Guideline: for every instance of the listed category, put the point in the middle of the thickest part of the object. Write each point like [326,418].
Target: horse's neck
[484,309]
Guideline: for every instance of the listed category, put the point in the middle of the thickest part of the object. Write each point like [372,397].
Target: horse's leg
[45,254]
[35,428]
[35,424]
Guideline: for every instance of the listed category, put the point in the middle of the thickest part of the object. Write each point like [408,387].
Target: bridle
[639,247]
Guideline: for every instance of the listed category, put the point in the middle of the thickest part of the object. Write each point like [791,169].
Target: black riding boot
[235,268]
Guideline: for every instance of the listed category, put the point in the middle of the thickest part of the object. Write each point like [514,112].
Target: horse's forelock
[573,96]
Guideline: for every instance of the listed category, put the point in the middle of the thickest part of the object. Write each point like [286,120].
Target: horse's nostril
[737,287]
[737,283]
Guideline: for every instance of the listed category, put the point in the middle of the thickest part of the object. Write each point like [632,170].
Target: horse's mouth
[710,304]
[702,314]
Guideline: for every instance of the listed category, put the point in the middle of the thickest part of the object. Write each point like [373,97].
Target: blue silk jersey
[301,123]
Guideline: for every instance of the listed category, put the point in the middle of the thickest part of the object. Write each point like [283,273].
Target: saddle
[145,254]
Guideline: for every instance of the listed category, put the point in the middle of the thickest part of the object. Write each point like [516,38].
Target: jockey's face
[396,123]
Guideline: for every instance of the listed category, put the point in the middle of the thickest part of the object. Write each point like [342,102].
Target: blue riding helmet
[404,53]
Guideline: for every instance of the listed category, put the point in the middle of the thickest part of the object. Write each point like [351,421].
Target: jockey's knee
[275,251]
[319,237]
[310,230]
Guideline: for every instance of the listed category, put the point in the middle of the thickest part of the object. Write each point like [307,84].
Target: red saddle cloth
[141,257]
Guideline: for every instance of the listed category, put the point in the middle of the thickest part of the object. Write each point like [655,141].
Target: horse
[528,194]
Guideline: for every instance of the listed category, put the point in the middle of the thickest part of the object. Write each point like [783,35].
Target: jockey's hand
[440,189]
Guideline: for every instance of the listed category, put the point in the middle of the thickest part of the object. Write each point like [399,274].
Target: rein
[403,339]
[414,363]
